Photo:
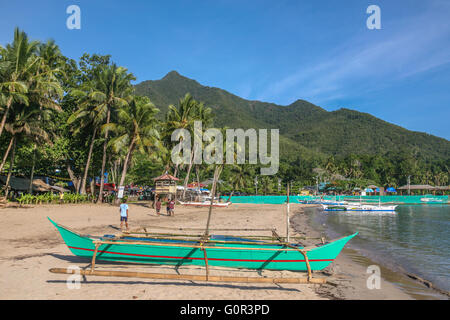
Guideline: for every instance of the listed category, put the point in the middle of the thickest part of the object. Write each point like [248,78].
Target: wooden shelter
[418,187]
[23,184]
[165,185]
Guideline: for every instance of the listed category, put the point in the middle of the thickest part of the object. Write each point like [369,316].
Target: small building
[419,188]
[165,185]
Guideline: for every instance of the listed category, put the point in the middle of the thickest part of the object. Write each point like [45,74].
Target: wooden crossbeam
[209,278]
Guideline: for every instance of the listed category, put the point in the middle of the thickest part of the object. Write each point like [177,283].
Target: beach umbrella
[390,189]
[368,190]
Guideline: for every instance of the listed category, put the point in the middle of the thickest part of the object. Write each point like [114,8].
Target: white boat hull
[359,207]
[205,204]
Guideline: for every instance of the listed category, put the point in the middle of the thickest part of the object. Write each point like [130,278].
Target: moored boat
[223,251]
[432,200]
[359,207]
[322,201]
[205,204]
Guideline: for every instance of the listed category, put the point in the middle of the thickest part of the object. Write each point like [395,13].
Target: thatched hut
[417,187]
[23,185]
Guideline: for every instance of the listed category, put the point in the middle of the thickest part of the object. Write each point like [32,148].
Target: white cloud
[402,49]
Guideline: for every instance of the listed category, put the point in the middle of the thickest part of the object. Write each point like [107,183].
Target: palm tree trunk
[197,171]
[93,187]
[105,145]
[75,180]
[5,157]
[176,170]
[213,193]
[231,194]
[88,163]
[30,187]
[186,180]
[5,115]
[127,159]
[11,164]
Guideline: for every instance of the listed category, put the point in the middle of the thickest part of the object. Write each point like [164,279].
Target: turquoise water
[415,239]
[294,199]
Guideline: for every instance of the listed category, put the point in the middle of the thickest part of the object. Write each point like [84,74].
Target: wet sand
[30,246]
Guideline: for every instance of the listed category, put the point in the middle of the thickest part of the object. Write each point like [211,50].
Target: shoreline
[412,285]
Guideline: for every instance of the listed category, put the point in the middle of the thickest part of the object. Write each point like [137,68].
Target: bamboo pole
[206,264]
[93,256]
[287,214]
[193,246]
[305,255]
[213,195]
[197,229]
[146,275]
[189,238]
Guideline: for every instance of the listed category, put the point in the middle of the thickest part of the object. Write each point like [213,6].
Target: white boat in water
[432,200]
[359,207]
[205,204]
[323,201]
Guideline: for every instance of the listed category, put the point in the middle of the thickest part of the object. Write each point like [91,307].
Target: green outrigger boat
[223,251]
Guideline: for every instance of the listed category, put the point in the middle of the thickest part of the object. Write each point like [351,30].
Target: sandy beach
[30,246]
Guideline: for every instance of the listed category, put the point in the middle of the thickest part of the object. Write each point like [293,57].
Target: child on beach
[158,206]
[124,213]
[171,207]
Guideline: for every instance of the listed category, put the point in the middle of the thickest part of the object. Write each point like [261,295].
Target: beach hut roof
[59,189]
[417,187]
[210,181]
[442,188]
[166,176]
[22,184]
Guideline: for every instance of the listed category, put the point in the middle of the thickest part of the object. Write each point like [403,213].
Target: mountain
[305,128]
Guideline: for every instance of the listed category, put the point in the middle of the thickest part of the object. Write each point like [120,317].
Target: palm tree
[266,185]
[240,175]
[112,86]
[24,124]
[40,88]
[44,89]
[136,128]
[218,167]
[17,64]
[86,116]
[179,118]
[204,115]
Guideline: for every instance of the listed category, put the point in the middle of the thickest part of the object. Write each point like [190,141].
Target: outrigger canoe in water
[205,204]
[223,251]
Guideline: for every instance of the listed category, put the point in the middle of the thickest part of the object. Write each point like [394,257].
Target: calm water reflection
[416,238]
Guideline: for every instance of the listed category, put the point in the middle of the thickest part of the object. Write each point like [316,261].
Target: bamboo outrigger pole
[287,214]
[213,194]
[209,278]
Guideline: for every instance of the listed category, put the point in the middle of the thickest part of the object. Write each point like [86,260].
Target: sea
[415,239]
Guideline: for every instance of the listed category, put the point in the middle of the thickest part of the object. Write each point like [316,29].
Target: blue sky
[275,51]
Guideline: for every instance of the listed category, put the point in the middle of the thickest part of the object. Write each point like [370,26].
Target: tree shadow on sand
[187,283]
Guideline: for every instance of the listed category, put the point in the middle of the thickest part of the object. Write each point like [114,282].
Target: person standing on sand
[158,206]
[124,213]
[171,206]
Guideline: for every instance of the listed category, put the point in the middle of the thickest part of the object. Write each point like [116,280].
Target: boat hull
[365,208]
[205,204]
[249,256]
